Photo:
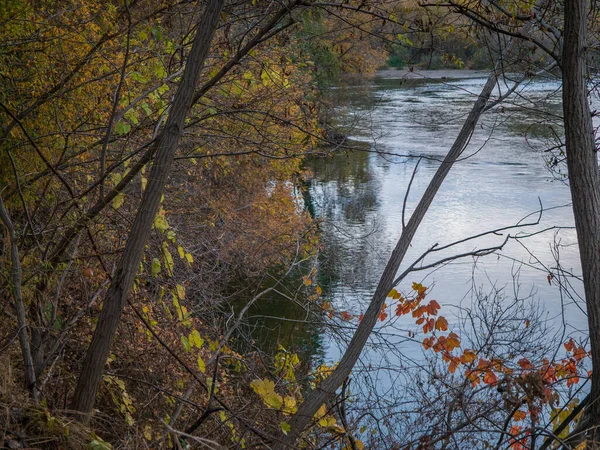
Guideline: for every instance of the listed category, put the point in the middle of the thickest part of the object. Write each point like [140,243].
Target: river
[504,177]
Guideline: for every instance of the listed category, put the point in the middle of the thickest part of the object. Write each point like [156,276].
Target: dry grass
[25,425]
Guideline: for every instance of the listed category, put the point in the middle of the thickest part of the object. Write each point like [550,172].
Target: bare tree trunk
[582,162]
[327,388]
[16,279]
[128,265]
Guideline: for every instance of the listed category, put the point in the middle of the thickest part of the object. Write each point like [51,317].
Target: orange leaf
[468,356]
[579,354]
[570,345]
[525,363]
[428,325]
[452,342]
[490,378]
[441,324]
[428,342]
[346,315]
[452,366]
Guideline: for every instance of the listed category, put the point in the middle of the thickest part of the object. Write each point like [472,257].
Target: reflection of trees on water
[281,317]
[344,195]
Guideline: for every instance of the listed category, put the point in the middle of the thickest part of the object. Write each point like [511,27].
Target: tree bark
[327,388]
[16,279]
[582,163]
[128,265]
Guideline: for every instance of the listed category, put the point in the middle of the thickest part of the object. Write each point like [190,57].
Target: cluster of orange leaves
[478,369]
[525,374]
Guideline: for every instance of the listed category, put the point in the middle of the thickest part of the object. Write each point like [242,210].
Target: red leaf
[525,363]
[490,378]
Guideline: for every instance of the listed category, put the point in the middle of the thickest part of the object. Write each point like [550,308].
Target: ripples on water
[505,176]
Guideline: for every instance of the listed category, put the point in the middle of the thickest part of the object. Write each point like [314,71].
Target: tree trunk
[129,263]
[16,280]
[327,388]
[582,163]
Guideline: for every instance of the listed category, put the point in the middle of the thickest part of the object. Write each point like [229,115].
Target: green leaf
[285,427]
[146,108]
[118,201]
[169,265]
[186,343]
[132,116]
[99,444]
[122,128]
[160,221]
[155,267]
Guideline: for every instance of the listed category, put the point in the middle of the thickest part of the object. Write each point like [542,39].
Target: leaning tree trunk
[304,416]
[128,265]
[582,163]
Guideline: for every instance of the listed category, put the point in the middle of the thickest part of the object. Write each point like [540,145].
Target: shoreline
[441,74]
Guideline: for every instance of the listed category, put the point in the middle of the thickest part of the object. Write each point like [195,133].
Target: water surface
[502,180]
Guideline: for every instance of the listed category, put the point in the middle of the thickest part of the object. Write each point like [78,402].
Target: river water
[503,179]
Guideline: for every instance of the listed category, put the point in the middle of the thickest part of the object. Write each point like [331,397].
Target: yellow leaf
[327,421]
[195,339]
[289,405]
[118,201]
[201,364]
[266,390]
[321,412]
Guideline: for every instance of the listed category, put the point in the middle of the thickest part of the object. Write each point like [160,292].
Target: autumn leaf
[428,342]
[452,342]
[441,324]
[519,415]
[321,411]
[429,324]
[570,345]
[419,288]
[383,315]
[395,294]
[266,390]
[524,363]
[468,356]
[201,365]
[346,315]
[490,378]
[579,354]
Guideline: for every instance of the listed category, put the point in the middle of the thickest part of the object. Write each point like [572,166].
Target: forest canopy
[154,189]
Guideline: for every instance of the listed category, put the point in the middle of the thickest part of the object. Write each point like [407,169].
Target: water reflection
[502,178]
